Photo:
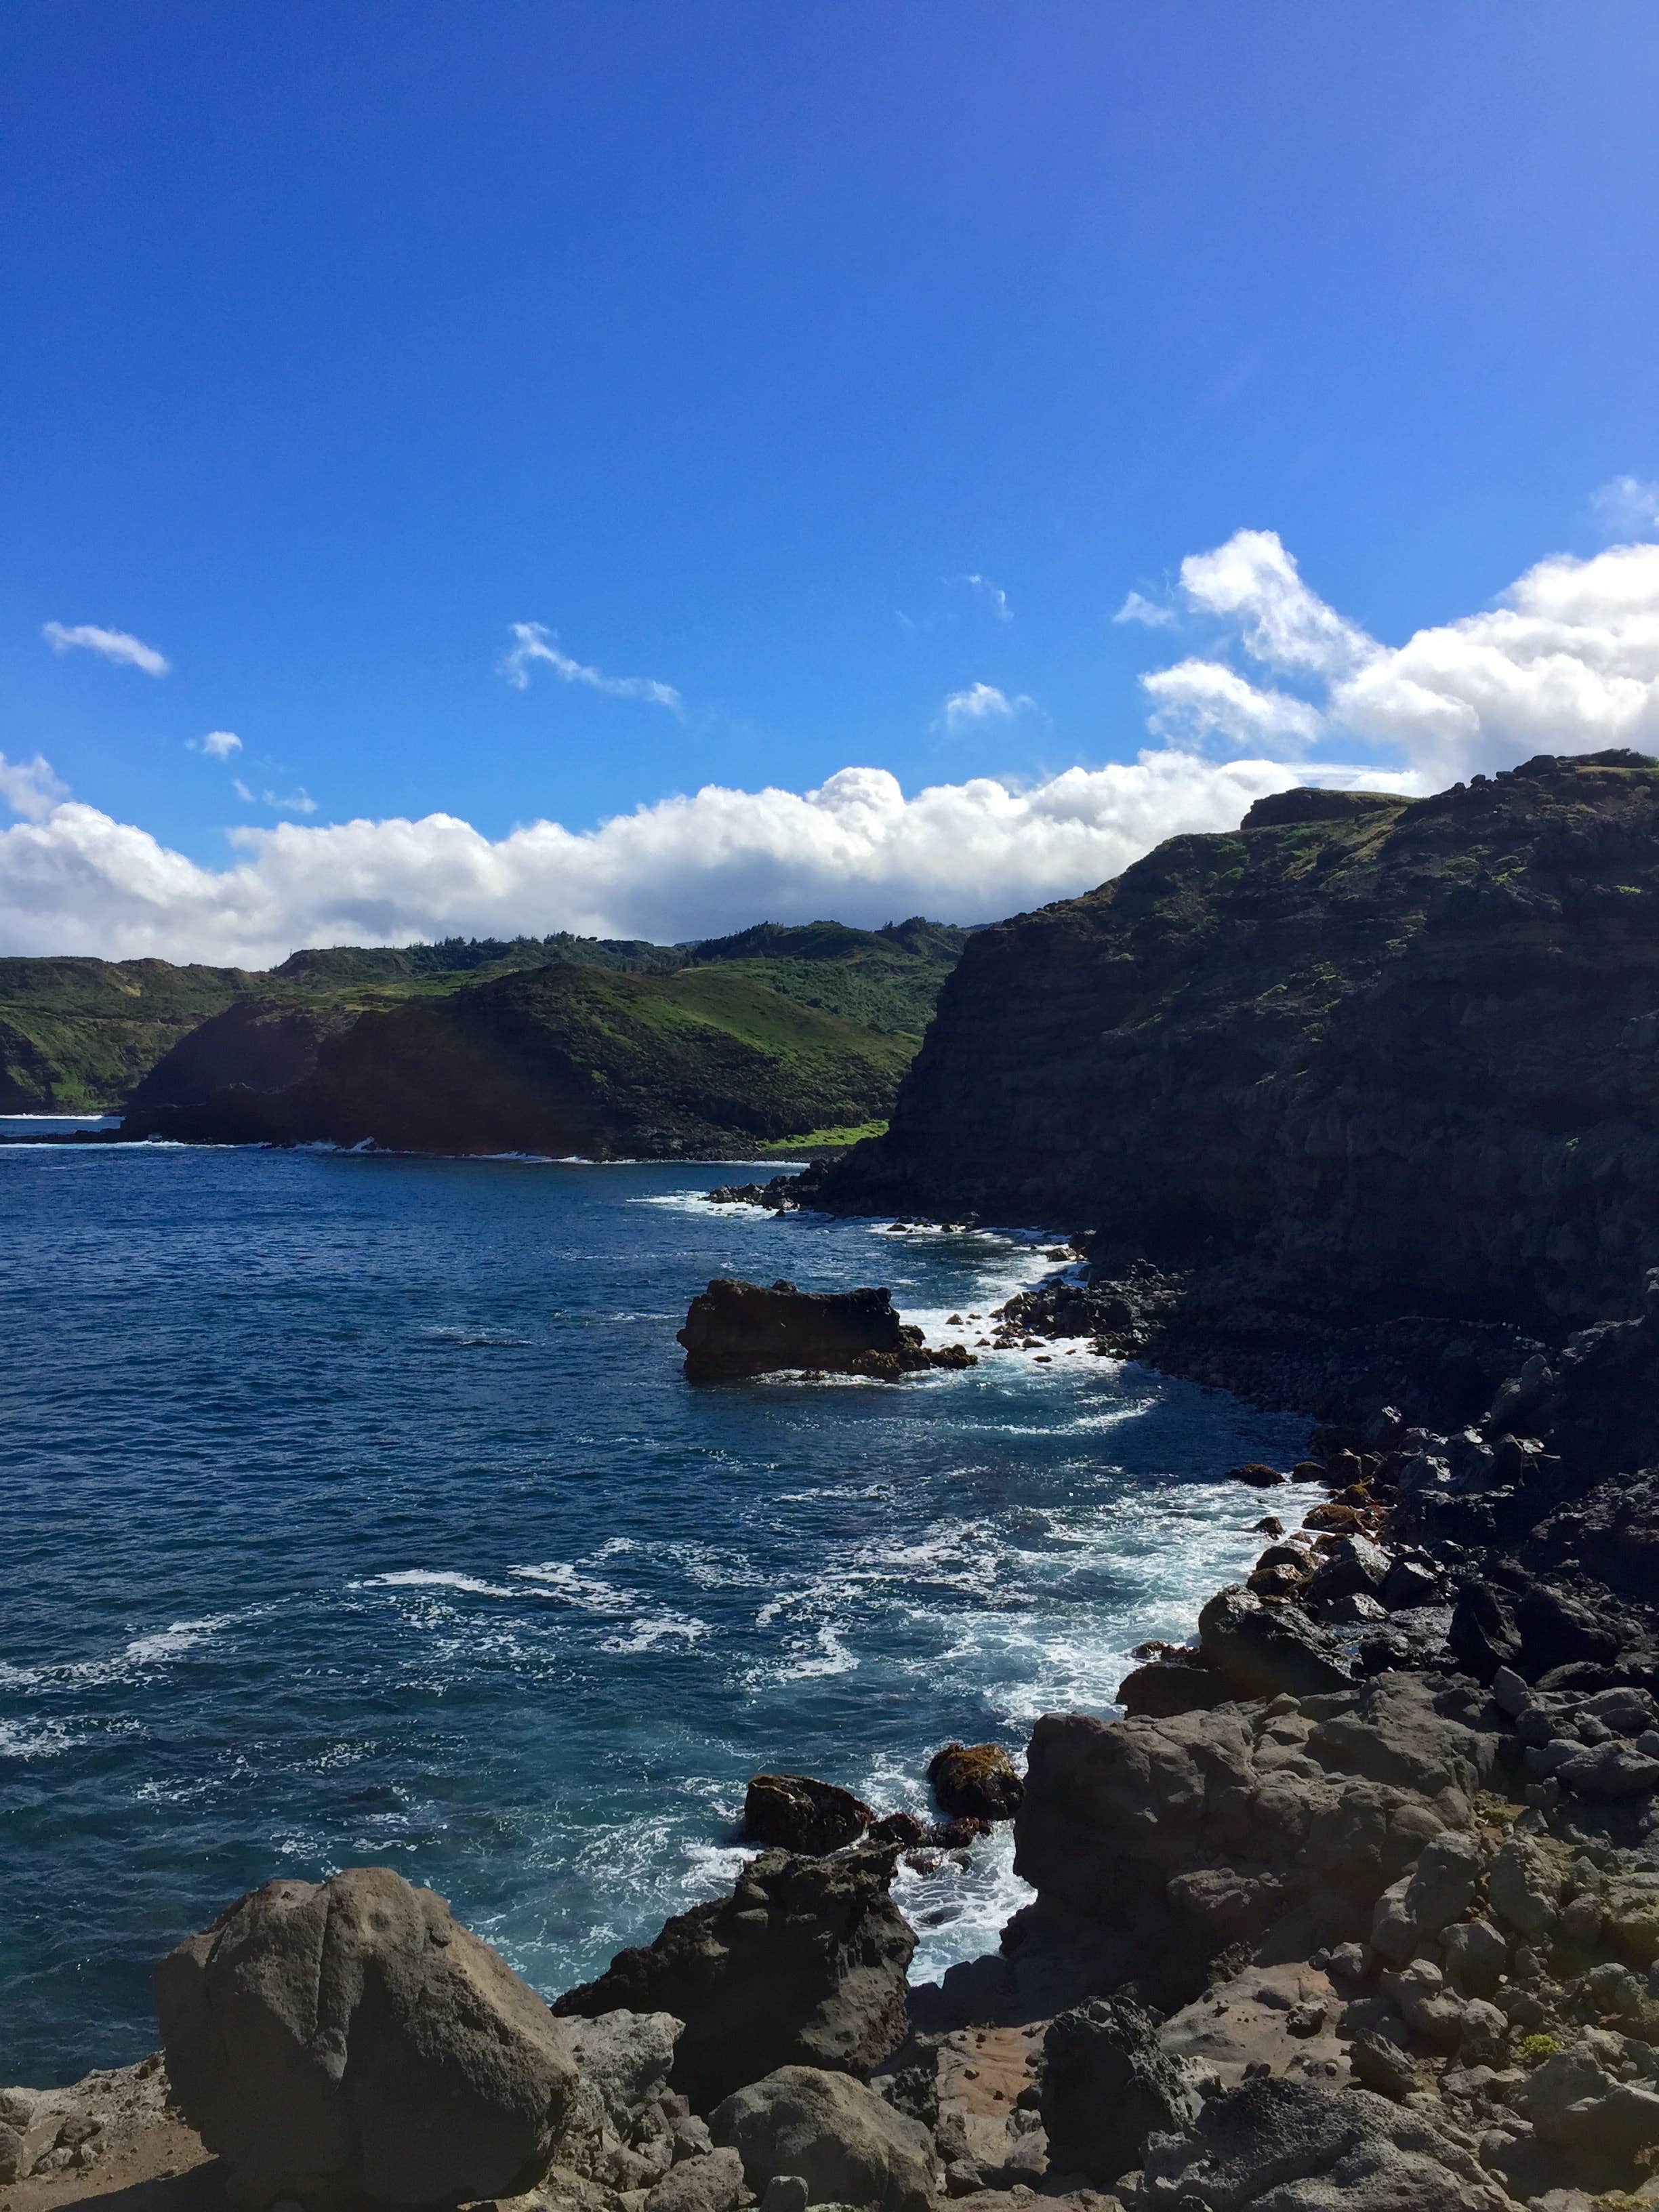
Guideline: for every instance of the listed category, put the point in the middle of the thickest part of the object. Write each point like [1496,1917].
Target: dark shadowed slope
[1399,1054]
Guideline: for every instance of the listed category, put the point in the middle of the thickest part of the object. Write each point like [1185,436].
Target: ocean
[357,1512]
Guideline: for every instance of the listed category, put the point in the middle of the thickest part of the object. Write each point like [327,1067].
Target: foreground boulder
[796,1813]
[804,1964]
[350,2037]
[977,1782]
[1106,2088]
[1284,2145]
[736,1328]
[845,2143]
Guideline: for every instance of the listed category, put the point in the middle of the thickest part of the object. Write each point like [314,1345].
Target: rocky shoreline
[1357,1906]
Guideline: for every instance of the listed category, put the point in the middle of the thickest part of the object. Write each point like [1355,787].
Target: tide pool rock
[351,2037]
[797,1812]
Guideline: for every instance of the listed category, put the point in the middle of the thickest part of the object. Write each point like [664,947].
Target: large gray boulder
[804,1964]
[349,2037]
[1280,2146]
[846,2143]
[1106,2088]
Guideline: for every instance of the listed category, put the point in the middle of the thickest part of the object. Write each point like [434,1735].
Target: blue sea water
[356,1512]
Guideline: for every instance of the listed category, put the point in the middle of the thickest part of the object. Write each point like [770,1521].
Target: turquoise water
[357,1511]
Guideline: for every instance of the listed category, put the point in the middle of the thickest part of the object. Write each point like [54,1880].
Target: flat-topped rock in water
[736,1328]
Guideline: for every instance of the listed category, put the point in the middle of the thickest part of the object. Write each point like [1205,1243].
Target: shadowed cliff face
[1394,1055]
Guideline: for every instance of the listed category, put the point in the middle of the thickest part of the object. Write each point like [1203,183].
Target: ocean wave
[143,1654]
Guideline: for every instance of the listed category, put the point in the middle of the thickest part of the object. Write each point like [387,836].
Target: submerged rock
[804,1964]
[735,1329]
[350,2037]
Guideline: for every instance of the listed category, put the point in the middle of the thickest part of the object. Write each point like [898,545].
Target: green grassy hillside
[568,1058]
[80,1036]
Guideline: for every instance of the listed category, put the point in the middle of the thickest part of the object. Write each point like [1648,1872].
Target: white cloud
[1628,506]
[1151,614]
[1252,580]
[113,644]
[981,702]
[1202,702]
[29,788]
[986,589]
[1567,661]
[298,801]
[536,643]
[218,744]
[691,867]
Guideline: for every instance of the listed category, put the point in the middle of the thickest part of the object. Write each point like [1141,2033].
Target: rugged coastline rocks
[978,1782]
[804,1963]
[735,1330]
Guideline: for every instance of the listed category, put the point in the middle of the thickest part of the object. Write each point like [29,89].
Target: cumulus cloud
[1202,702]
[1566,660]
[535,644]
[29,788]
[218,744]
[988,590]
[981,702]
[856,847]
[1252,580]
[1628,506]
[118,645]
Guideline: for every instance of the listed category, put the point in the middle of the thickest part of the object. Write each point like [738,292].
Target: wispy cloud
[982,702]
[535,643]
[30,788]
[297,801]
[986,589]
[1628,506]
[1151,614]
[118,645]
[218,744]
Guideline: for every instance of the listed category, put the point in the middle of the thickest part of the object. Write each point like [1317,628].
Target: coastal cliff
[1377,1056]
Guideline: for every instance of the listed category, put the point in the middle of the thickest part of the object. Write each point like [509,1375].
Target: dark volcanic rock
[803,1965]
[349,2037]
[979,1782]
[795,1813]
[1402,1057]
[1106,2087]
[1260,1650]
[736,1328]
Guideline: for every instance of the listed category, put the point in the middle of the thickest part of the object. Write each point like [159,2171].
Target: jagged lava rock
[804,1963]
[1106,2088]
[796,1813]
[350,2037]
[736,1328]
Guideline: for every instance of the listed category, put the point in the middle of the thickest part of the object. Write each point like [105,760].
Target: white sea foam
[143,1654]
[435,1578]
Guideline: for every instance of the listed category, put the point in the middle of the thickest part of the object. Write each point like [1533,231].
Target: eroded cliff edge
[1376,1057]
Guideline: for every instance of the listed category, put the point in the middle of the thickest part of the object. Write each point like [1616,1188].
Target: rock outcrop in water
[735,1330]
[1382,1056]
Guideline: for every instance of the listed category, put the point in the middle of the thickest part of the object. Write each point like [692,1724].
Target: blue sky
[728,344]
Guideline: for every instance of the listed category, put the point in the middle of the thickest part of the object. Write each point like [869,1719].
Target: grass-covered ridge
[81,1035]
